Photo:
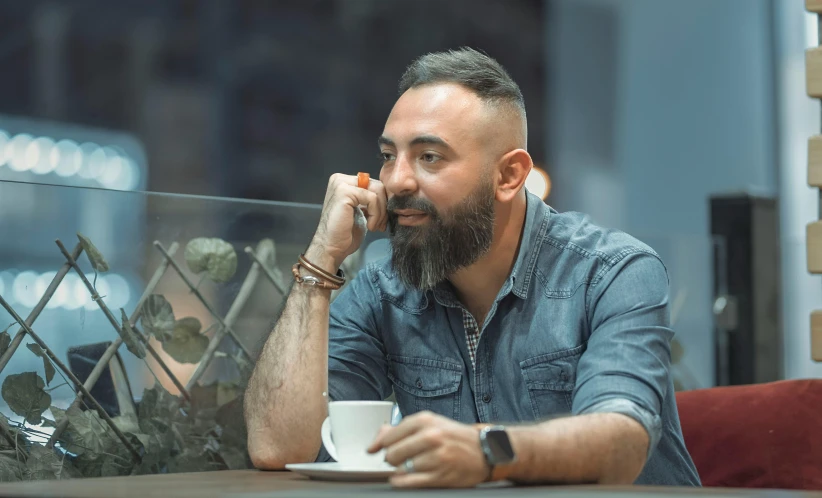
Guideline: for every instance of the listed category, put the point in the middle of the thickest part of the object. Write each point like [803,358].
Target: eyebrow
[420,140]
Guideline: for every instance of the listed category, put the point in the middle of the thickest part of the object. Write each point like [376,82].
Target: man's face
[438,172]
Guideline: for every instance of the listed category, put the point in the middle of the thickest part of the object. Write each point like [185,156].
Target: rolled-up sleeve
[357,368]
[626,365]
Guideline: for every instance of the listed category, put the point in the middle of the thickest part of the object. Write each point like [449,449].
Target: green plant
[202,429]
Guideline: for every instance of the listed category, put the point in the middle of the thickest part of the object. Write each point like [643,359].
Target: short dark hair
[467,67]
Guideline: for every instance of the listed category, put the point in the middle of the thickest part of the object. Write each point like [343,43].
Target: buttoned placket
[483,392]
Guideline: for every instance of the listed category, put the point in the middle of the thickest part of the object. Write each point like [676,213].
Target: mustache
[410,202]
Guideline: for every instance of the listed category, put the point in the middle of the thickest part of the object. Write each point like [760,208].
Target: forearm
[603,448]
[284,404]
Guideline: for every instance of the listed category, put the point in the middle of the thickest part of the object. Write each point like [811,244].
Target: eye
[385,156]
[429,158]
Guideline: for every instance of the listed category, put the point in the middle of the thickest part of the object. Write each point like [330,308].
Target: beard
[423,256]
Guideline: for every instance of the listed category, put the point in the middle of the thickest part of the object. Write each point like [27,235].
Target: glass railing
[200,281]
[690,263]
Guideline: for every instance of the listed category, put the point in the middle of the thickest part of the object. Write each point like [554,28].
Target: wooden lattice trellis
[262,261]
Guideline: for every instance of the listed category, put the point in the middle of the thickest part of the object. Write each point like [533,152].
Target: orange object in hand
[363,179]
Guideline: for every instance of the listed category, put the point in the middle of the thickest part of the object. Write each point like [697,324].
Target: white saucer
[335,471]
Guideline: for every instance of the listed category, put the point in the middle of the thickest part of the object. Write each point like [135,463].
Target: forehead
[447,110]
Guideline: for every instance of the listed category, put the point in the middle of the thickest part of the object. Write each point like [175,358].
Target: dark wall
[250,98]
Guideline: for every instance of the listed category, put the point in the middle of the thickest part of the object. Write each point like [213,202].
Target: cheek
[445,195]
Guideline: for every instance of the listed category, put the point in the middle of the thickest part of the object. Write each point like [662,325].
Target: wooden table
[252,483]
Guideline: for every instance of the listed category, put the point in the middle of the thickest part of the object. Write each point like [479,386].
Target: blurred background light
[92,164]
[27,287]
[4,141]
[44,147]
[538,182]
[16,151]
[24,289]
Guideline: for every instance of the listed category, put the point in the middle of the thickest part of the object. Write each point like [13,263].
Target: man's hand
[343,224]
[444,453]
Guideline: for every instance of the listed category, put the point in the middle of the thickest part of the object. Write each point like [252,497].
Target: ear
[513,170]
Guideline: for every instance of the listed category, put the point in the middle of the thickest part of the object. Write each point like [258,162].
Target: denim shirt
[580,326]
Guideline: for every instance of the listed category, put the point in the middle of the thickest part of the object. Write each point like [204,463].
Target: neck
[478,285]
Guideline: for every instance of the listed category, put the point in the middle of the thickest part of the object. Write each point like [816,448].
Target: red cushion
[755,436]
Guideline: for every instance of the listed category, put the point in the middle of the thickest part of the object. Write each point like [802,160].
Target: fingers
[408,426]
[417,480]
[371,206]
[374,199]
[429,472]
[410,447]
[378,188]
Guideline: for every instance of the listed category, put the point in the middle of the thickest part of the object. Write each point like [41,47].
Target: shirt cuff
[650,421]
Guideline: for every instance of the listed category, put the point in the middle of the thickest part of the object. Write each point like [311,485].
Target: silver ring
[408,466]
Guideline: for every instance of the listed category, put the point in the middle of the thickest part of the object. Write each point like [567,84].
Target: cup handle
[327,441]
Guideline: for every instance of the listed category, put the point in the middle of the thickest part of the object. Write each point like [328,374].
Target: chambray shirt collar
[537,217]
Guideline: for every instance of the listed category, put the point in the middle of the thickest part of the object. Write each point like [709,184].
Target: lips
[410,217]
[409,212]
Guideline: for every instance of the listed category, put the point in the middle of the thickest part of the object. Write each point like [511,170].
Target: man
[521,343]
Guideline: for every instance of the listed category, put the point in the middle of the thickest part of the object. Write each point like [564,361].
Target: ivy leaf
[4,422]
[5,341]
[44,463]
[11,469]
[157,407]
[130,337]
[90,432]
[187,344]
[95,257]
[155,452]
[127,423]
[47,366]
[25,396]
[117,466]
[58,413]
[158,317]
[214,256]
[4,444]
[87,466]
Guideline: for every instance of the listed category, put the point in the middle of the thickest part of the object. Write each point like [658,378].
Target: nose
[399,177]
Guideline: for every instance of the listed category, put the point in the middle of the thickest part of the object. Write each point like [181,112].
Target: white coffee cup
[351,427]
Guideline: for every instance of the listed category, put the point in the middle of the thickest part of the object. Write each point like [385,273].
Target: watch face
[500,446]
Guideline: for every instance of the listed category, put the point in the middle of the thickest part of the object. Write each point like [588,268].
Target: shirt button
[486,398]
[419,383]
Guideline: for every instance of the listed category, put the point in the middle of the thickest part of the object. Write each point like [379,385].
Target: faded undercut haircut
[469,68]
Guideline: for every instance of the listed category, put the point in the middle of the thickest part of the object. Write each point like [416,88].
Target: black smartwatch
[496,446]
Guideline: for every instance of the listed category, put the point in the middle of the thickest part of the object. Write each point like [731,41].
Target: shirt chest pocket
[550,379]
[423,384]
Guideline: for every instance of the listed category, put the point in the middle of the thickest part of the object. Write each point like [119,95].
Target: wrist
[318,257]
[497,448]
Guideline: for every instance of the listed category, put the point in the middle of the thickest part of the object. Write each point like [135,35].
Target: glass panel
[690,262]
[129,229]
[124,227]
